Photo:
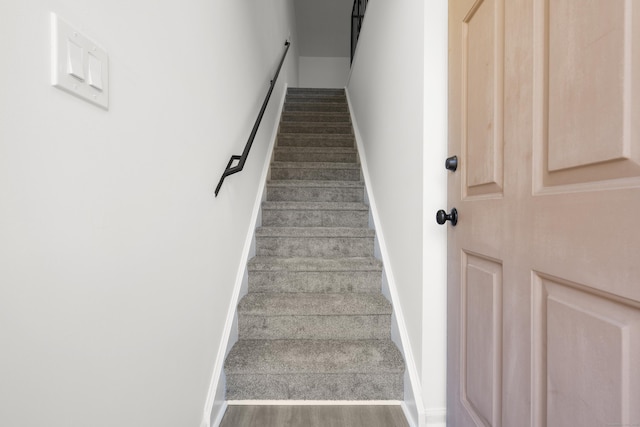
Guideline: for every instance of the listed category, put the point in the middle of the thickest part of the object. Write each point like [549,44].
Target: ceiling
[324,27]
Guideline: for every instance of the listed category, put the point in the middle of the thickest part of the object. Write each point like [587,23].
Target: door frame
[434,256]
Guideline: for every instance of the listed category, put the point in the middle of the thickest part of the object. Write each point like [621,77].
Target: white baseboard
[218,418]
[213,394]
[435,418]
[409,415]
[413,416]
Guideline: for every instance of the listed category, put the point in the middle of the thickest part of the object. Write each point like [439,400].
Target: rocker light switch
[78,64]
[75,55]
[95,72]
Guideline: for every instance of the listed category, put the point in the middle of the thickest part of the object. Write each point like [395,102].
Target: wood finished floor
[313,416]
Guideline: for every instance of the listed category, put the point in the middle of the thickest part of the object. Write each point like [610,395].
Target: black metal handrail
[229,170]
[357,16]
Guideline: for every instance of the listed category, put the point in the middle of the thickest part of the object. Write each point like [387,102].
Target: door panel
[597,336]
[586,47]
[483,62]
[544,264]
[588,102]
[482,339]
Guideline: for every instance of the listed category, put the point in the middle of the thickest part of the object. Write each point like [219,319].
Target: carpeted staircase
[314,324]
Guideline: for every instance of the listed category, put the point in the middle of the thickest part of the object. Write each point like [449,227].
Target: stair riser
[293,140]
[297,218]
[315,386]
[317,107]
[316,128]
[306,194]
[316,174]
[288,156]
[313,281]
[314,246]
[314,327]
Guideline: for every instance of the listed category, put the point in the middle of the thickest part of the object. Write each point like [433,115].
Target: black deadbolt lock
[451,163]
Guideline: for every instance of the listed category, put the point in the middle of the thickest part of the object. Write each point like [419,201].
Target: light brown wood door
[544,264]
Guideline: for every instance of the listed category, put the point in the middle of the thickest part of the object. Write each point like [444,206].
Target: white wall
[323,72]
[386,89]
[117,264]
[398,93]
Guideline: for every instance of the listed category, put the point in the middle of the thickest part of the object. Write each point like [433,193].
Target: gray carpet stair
[314,324]
[315,171]
[314,141]
[315,214]
[319,191]
[314,370]
[314,316]
[316,154]
[315,275]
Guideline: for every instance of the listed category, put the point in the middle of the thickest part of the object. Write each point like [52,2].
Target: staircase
[314,324]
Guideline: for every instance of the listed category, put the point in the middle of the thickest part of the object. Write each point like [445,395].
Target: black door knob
[442,217]
[451,163]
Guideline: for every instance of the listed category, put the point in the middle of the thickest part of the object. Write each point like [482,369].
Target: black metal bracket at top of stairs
[230,170]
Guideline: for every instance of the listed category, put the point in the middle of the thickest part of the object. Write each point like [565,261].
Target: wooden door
[544,264]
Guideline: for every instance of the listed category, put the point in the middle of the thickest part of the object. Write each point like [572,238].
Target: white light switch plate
[78,64]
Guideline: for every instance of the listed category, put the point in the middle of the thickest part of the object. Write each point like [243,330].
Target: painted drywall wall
[397,88]
[323,72]
[117,261]
[386,89]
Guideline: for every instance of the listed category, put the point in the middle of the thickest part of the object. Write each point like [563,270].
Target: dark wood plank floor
[314,416]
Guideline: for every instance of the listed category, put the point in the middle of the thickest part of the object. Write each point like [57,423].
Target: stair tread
[317,97]
[315,206]
[314,140]
[307,232]
[316,154]
[320,101]
[300,105]
[315,165]
[313,304]
[302,135]
[315,128]
[305,92]
[317,116]
[312,135]
[313,183]
[314,356]
[318,124]
[306,150]
[262,263]
[315,90]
